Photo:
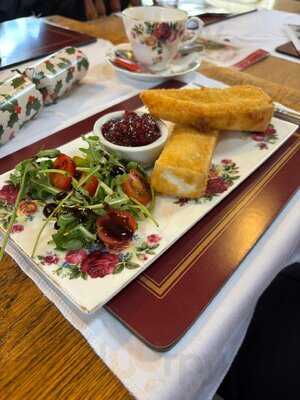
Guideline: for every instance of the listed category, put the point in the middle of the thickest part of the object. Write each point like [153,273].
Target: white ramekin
[145,155]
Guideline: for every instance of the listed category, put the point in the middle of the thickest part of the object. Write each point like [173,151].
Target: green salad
[92,197]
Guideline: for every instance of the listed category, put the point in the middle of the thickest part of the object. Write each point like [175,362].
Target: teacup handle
[195,32]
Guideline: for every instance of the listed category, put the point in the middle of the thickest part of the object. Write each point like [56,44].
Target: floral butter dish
[20,101]
[94,272]
[56,75]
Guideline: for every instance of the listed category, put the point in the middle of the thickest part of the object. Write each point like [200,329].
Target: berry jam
[132,130]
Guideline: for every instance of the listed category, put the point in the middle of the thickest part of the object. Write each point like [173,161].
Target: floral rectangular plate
[236,157]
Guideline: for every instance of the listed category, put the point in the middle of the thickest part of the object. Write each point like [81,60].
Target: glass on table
[166,3]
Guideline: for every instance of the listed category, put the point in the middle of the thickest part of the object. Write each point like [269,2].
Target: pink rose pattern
[153,238]
[98,262]
[17,228]
[148,246]
[162,31]
[8,194]
[221,177]
[49,259]
[75,257]
[262,139]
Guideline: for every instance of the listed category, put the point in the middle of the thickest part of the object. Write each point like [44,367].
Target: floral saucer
[184,64]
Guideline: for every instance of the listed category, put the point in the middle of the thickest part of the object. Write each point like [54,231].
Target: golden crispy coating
[183,166]
[241,108]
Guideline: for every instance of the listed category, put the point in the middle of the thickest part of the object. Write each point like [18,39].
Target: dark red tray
[32,38]
[164,301]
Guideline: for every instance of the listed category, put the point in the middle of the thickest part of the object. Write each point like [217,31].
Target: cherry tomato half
[91,185]
[137,187]
[116,229]
[64,163]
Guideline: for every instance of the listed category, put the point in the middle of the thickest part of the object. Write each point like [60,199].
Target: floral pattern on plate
[97,261]
[264,138]
[221,178]
[25,213]
[7,196]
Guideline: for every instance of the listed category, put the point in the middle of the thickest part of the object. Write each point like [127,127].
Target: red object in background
[126,64]
[251,59]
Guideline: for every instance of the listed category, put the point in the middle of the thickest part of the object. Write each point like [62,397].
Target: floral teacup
[157,33]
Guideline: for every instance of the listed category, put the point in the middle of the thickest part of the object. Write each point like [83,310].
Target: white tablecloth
[194,368]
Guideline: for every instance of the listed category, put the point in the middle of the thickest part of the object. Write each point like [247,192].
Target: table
[111,27]
[41,355]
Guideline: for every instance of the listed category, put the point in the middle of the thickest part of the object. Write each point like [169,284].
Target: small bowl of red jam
[133,135]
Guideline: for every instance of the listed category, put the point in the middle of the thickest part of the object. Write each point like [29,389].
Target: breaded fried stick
[238,108]
[183,166]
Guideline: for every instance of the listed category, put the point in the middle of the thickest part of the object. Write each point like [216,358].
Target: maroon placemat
[288,49]
[30,38]
[164,301]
